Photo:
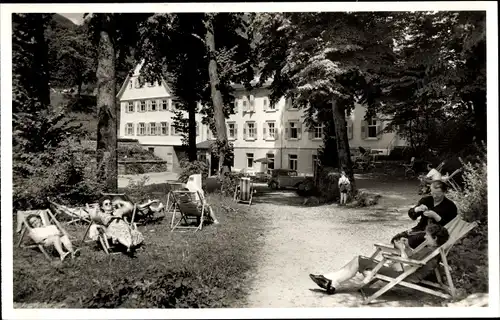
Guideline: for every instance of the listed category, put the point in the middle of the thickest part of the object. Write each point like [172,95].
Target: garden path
[316,239]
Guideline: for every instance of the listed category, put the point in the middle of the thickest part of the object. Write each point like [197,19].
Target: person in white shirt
[432,175]
[50,235]
[344,187]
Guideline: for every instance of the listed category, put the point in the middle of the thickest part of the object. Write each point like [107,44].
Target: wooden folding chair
[244,192]
[190,205]
[450,181]
[48,218]
[458,228]
[77,214]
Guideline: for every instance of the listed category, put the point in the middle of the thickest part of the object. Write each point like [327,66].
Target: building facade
[264,137]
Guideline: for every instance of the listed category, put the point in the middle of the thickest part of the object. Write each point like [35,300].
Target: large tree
[199,55]
[323,63]
[115,35]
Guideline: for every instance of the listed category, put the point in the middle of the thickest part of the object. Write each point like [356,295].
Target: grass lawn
[178,269]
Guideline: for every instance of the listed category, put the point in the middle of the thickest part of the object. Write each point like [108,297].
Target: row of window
[135,83]
[150,105]
[292,161]
[293,130]
[166,104]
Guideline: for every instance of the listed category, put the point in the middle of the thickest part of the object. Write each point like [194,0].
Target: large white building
[257,129]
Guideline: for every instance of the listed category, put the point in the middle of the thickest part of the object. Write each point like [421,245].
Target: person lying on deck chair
[194,184]
[49,235]
[436,235]
[110,215]
[436,208]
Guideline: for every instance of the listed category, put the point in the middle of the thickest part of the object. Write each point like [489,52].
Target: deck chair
[450,181]
[48,218]
[170,206]
[457,228]
[78,214]
[244,192]
[189,205]
[409,168]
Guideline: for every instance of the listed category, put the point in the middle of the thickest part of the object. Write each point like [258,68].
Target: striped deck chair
[189,205]
[457,229]
[244,192]
[48,218]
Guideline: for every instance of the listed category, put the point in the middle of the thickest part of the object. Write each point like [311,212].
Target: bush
[472,273]
[195,167]
[327,184]
[307,188]
[229,182]
[65,174]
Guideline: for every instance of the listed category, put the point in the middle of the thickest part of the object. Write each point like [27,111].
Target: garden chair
[244,192]
[48,218]
[409,168]
[190,205]
[457,229]
[450,181]
[77,214]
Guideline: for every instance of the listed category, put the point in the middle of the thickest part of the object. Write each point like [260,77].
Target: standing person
[435,208]
[344,187]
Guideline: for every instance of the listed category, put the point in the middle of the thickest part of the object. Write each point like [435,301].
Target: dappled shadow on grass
[212,260]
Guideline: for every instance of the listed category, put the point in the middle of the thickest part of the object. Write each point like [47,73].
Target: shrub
[65,174]
[472,273]
[307,188]
[327,184]
[229,182]
[195,167]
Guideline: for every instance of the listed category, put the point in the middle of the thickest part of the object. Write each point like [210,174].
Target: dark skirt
[344,187]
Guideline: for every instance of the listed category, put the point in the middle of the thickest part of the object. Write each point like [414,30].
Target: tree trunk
[220,120]
[192,154]
[107,170]
[344,153]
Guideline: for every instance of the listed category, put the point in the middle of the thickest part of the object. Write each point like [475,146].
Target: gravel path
[302,240]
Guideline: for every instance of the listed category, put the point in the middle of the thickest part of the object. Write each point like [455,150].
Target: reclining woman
[110,215]
[436,235]
[194,184]
[49,235]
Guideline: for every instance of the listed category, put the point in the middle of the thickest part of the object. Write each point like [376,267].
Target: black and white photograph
[249,160]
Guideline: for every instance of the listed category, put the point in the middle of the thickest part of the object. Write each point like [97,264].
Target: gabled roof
[135,72]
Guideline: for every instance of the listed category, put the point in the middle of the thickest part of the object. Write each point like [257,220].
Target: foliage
[472,202]
[327,183]
[365,199]
[174,49]
[194,167]
[419,94]
[72,56]
[65,174]
[229,182]
[307,188]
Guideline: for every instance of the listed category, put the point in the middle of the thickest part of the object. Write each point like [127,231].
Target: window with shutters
[251,103]
[236,104]
[293,129]
[130,106]
[143,106]
[152,129]
[251,130]
[231,130]
[270,162]
[130,129]
[270,131]
[292,161]
[245,105]
[249,160]
[372,128]
[137,84]
[164,128]
[142,129]
[318,132]
[130,84]
[164,105]
[153,105]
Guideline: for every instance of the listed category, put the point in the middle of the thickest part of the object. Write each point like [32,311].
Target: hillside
[62,22]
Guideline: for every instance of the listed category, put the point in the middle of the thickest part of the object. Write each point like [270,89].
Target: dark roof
[207,144]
